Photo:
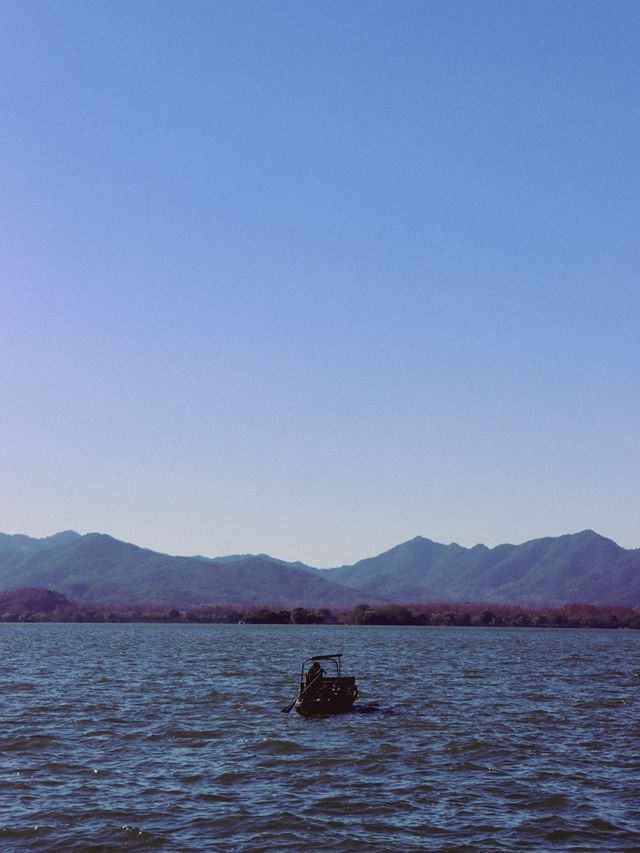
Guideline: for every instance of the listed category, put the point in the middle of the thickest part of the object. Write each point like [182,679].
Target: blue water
[171,737]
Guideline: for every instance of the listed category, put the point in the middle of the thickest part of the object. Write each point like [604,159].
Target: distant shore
[42,605]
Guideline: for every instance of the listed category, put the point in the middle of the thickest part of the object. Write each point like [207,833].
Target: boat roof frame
[336,658]
[323,657]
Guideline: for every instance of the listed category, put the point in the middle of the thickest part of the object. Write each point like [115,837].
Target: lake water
[171,737]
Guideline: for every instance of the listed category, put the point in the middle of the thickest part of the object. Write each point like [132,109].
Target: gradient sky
[312,278]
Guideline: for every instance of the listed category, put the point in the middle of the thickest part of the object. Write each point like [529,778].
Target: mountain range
[582,567]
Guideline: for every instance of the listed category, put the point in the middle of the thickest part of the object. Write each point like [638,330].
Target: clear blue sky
[312,278]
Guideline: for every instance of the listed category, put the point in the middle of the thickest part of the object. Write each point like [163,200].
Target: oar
[304,690]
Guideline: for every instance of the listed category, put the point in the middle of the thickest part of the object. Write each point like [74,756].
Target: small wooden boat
[322,693]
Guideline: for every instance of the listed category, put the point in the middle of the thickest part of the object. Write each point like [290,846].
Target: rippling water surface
[171,737]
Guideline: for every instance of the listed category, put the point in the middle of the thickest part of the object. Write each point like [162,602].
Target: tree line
[41,605]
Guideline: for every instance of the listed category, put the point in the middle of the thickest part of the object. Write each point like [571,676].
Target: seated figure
[313,679]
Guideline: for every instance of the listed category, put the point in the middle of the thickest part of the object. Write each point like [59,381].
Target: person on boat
[314,677]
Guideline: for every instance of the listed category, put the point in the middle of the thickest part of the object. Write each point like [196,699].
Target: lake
[171,737]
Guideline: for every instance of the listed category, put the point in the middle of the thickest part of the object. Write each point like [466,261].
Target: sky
[313,278]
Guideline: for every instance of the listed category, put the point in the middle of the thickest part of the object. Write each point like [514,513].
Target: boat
[325,693]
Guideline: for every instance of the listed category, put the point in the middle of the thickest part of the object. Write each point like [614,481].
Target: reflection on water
[171,737]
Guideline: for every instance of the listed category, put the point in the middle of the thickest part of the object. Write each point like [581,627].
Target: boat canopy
[335,658]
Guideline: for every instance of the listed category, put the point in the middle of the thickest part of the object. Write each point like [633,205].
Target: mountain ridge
[98,568]
[549,570]
[581,567]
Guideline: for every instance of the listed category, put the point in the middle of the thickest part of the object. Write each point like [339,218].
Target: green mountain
[100,569]
[582,567]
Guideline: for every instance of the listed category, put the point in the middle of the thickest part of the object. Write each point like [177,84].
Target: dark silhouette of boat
[325,693]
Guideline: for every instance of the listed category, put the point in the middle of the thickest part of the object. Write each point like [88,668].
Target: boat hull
[318,707]
[327,703]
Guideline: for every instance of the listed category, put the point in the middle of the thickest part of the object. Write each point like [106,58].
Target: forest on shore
[43,605]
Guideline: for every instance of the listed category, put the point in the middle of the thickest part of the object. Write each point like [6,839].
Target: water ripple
[171,737]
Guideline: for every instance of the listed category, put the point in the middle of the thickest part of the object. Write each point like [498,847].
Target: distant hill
[582,567]
[100,569]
